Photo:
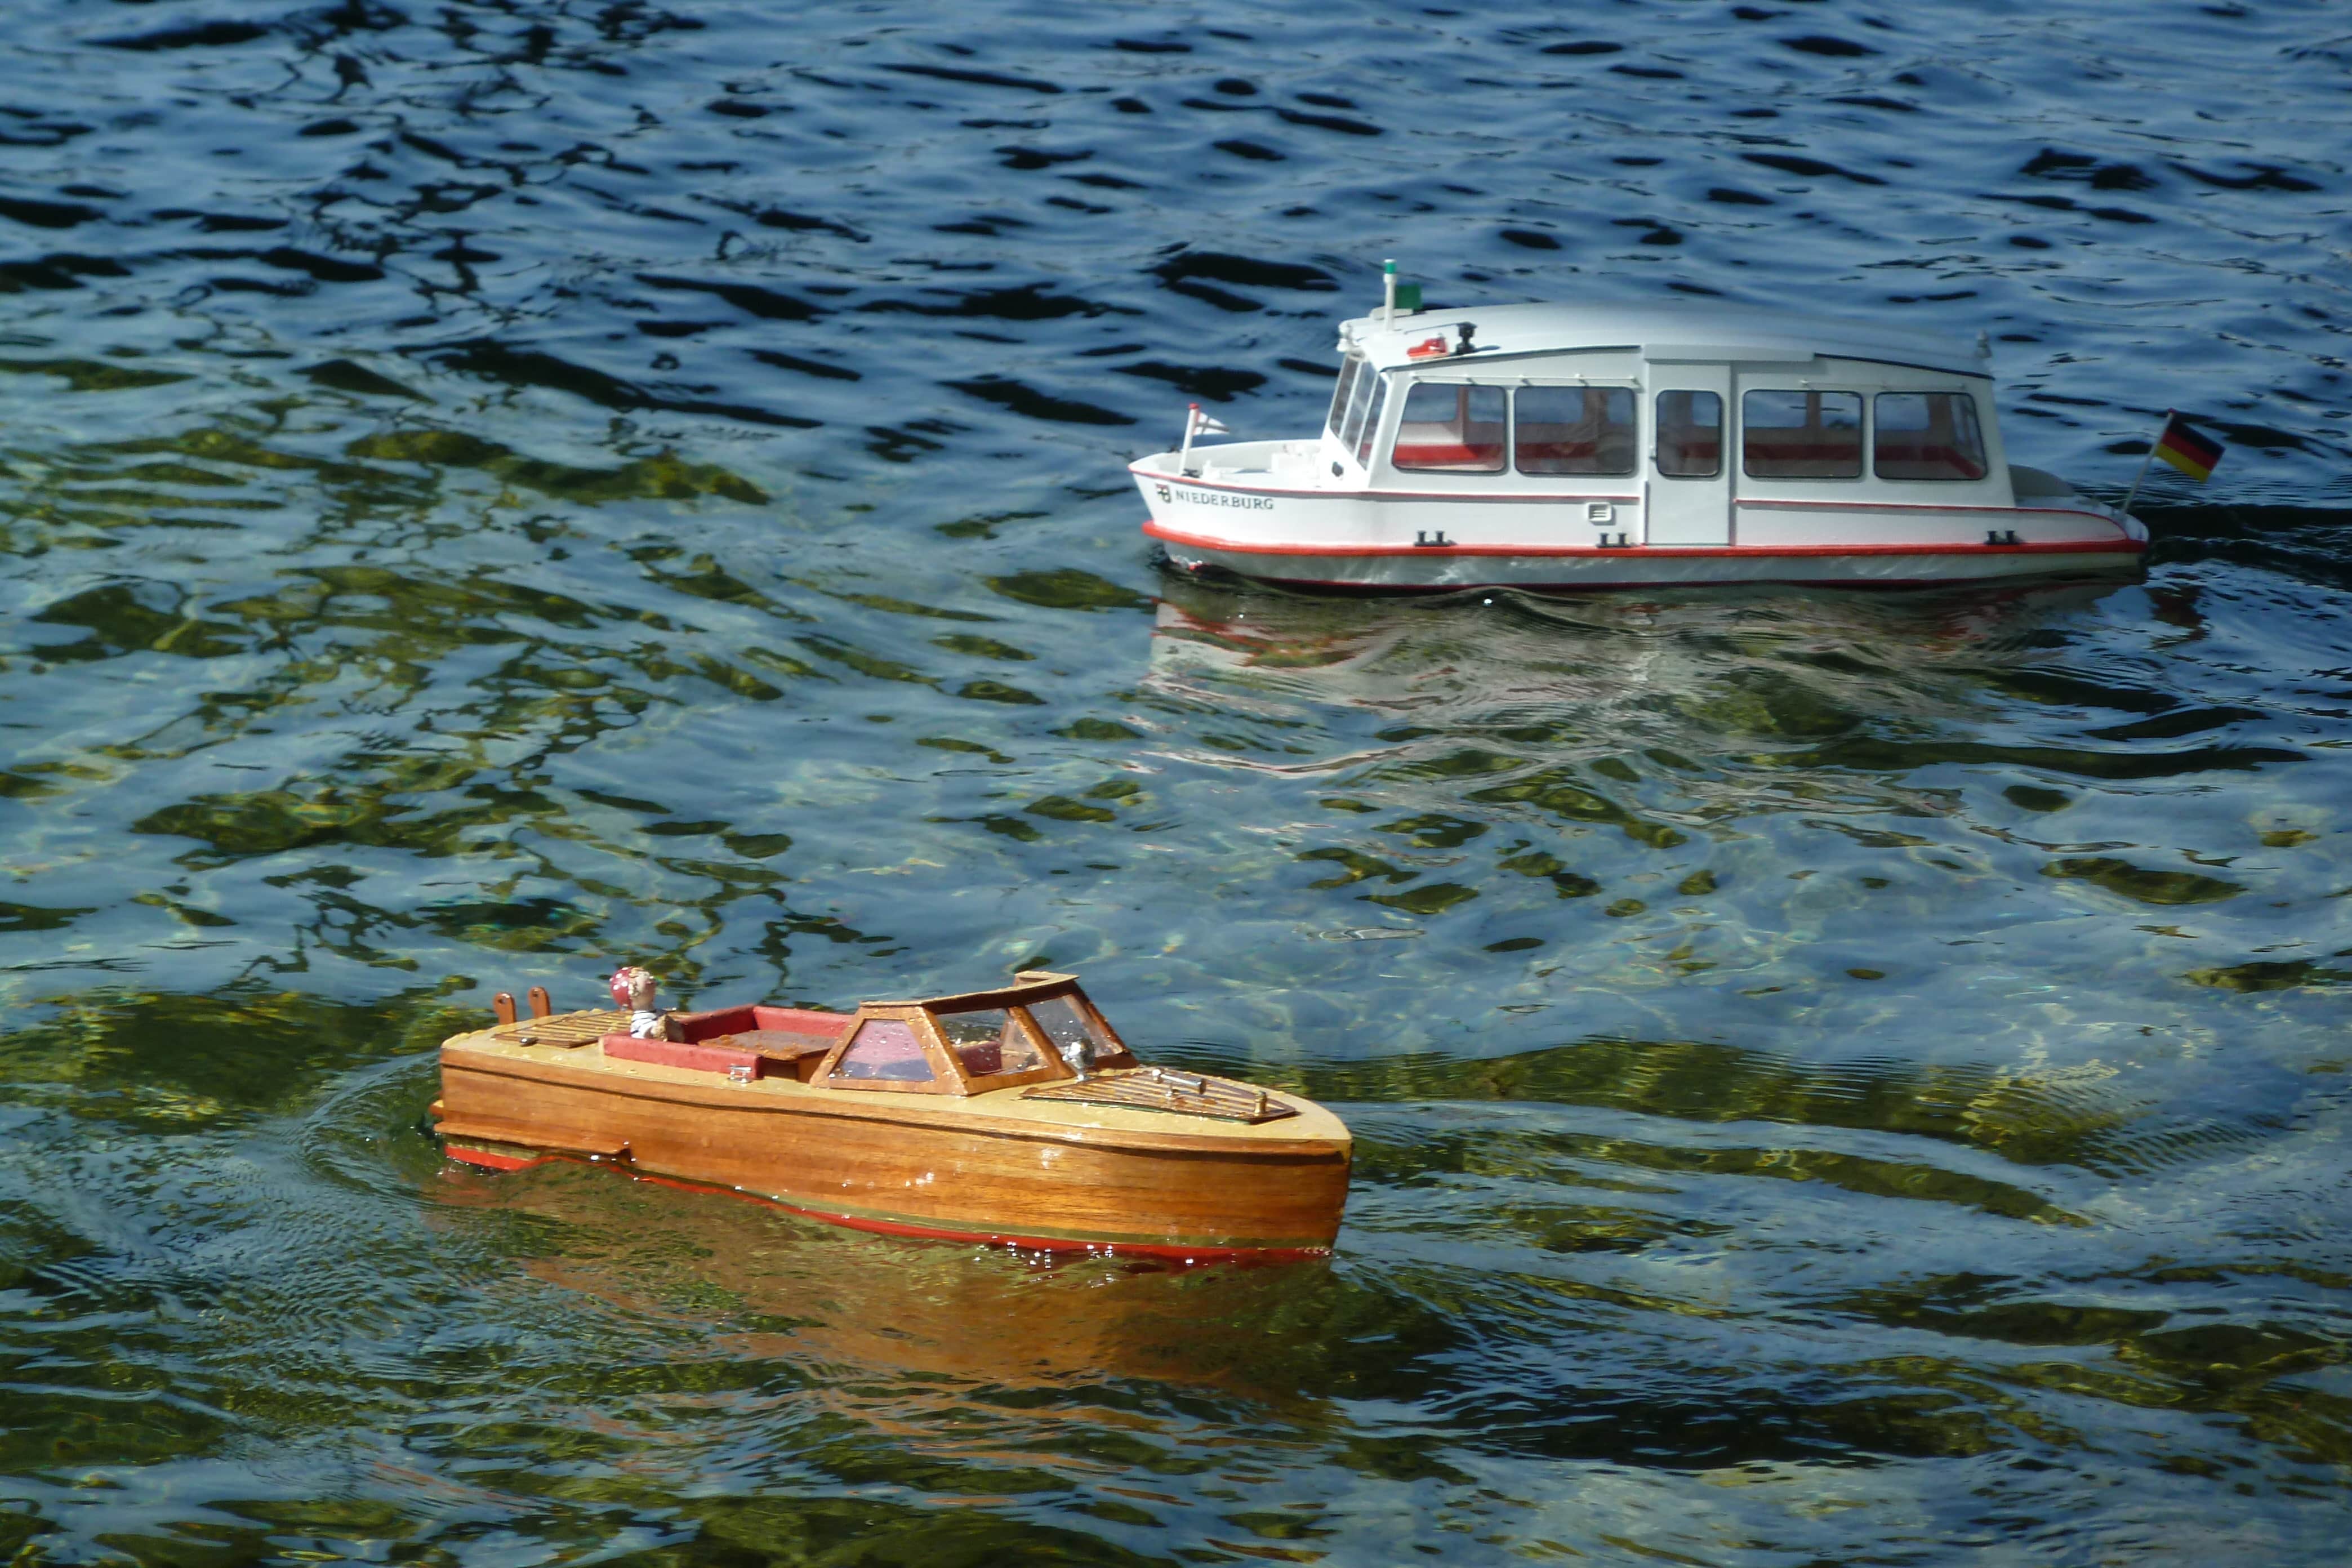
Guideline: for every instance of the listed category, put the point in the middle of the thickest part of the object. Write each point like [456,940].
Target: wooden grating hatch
[1166,1089]
[561,1029]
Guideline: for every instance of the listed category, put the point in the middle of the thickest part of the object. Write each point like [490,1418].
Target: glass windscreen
[884,1050]
[1452,429]
[1348,370]
[1928,435]
[1359,400]
[1372,420]
[1690,435]
[989,1040]
[1073,1033]
[1574,429]
[1802,435]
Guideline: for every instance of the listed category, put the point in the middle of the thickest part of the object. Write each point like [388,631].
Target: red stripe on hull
[1646,552]
[1628,584]
[490,1161]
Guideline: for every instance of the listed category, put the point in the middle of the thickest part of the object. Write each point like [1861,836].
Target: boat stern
[2040,490]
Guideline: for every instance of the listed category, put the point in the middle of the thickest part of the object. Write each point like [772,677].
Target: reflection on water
[958,1321]
[1771,794]
[1690,667]
[496,490]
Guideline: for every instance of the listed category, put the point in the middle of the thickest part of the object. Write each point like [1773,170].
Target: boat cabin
[1669,416]
[1566,447]
[1013,1116]
[1040,1029]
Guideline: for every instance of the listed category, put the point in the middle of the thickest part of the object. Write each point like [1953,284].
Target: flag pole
[1192,422]
[1388,292]
[2145,463]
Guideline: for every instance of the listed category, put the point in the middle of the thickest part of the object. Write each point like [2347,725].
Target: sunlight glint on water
[494,491]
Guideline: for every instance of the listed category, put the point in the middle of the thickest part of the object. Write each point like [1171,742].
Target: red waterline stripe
[490,1162]
[1791,503]
[897,1227]
[1649,552]
[1628,584]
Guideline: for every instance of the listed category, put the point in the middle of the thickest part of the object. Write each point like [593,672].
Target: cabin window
[1926,435]
[1341,393]
[989,1040]
[1573,430]
[1802,435]
[1451,429]
[1080,1040]
[1690,435]
[884,1050]
[1360,399]
[1373,419]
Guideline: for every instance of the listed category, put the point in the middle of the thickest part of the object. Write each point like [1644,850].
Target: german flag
[2185,449]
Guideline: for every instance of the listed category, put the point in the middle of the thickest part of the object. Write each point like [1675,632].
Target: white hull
[1260,522]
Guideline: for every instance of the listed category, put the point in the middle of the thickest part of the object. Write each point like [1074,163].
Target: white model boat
[1551,447]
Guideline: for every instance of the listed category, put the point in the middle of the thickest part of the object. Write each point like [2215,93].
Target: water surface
[493,490]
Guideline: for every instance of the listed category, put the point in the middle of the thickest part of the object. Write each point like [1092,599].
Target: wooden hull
[993,1167]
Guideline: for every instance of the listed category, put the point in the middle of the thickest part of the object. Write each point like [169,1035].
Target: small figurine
[634,988]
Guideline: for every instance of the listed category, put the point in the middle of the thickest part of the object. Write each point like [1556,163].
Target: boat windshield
[1372,426]
[1349,368]
[886,1050]
[989,1040]
[1360,402]
[1082,1042]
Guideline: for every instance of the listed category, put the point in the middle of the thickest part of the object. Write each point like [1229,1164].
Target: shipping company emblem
[1162,490]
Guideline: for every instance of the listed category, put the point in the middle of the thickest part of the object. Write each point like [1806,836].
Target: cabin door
[1688,499]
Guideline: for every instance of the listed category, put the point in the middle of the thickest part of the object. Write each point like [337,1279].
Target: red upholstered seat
[1444,454]
[718,1021]
[764,1039]
[681,1054]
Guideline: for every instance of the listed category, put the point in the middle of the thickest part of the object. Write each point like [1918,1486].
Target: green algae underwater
[1838,1078]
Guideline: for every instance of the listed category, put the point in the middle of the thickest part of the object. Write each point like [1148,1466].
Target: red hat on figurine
[627,979]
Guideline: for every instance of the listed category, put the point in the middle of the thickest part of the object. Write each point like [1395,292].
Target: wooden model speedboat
[1015,1116]
[1551,447]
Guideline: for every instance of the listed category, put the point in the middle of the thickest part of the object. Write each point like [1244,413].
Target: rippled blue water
[492,489]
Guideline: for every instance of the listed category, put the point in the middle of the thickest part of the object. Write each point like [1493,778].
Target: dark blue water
[492,489]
